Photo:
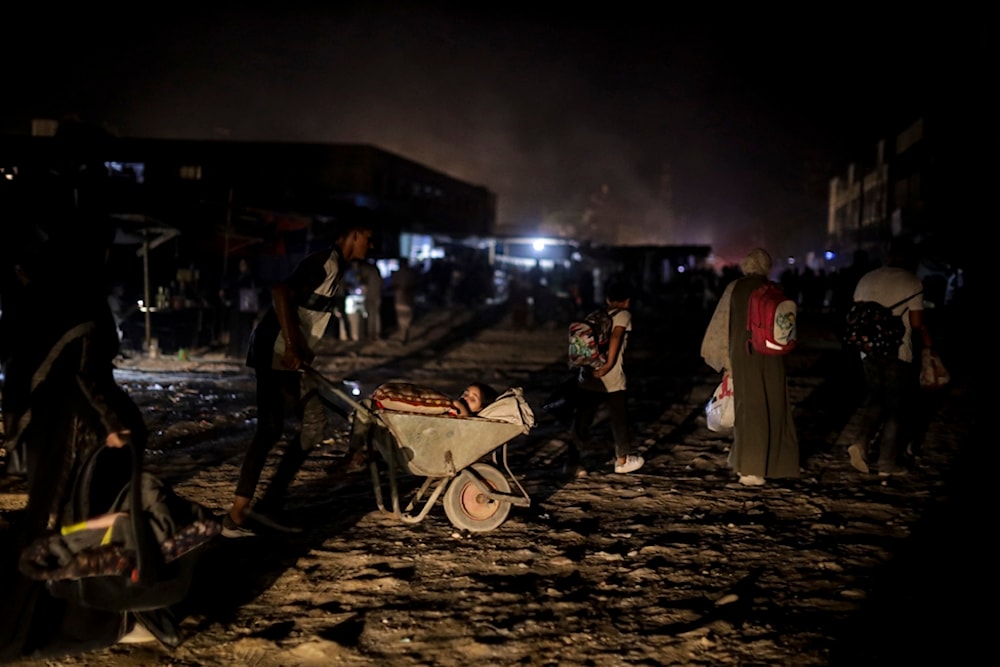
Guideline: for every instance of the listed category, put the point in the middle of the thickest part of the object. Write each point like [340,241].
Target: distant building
[858,207]
[187,209]
[918,186]
[202,186]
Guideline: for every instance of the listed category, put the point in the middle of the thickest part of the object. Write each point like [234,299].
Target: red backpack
[771,319]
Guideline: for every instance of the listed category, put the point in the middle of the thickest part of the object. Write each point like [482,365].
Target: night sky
[749,114]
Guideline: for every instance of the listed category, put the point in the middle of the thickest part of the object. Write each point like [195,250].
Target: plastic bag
[720,411]
[933,374]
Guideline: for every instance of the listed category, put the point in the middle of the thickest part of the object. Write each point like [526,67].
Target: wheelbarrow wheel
[468,508]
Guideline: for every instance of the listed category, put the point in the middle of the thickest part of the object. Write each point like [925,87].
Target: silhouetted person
[58,340]
[893,381]
[371,285]
[404,282]
[241,294]
[284,340]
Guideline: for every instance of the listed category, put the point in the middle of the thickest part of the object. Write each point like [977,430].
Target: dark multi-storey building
[918,186]
[187,208]
[244,187]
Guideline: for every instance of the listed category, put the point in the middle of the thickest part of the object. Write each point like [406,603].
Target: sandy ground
[674,565]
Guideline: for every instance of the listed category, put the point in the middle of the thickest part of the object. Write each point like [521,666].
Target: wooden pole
[229,229]
[145,289]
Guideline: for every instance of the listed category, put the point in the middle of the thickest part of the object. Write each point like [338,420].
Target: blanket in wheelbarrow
[510,407]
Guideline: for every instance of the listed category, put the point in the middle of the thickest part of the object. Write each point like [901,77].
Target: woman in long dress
[765,444]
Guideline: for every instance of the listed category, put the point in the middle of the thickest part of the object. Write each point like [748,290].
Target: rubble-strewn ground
[676,564]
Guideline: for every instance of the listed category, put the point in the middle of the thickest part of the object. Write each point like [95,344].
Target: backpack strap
[900,303]
[149,561]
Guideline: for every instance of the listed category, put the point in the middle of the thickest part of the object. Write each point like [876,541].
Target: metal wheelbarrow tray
[465,459]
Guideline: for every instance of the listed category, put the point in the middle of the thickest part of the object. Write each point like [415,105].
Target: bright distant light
[680,269]
[538,245]
[791,260]
[829,254]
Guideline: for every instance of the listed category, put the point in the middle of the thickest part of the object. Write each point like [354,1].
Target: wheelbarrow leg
[389,457]
[441,483]
[373,467]
[394,487]
[377,483]
[420,493]
[525,498]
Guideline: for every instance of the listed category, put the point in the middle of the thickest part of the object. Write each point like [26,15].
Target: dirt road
[676,564]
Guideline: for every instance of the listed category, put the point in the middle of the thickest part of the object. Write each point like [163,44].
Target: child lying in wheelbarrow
[413,398]
[410,397]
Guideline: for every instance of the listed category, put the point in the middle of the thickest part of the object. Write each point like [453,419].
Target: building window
[191,172]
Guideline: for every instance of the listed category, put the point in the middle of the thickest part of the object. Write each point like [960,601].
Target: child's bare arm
[614,347]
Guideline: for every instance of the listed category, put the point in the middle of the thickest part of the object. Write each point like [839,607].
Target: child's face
[473,398]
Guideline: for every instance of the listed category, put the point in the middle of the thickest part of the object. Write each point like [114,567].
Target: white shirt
[889,285]
[615,379]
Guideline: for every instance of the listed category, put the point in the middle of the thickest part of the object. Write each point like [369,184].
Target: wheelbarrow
[463,461]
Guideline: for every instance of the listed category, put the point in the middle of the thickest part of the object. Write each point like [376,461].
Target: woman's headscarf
[756,263]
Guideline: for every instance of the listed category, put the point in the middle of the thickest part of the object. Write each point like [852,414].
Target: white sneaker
[232,529]
[751,480]
[632,463]
[138,635]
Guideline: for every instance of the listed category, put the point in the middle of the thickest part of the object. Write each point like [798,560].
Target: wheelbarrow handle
[335,389]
